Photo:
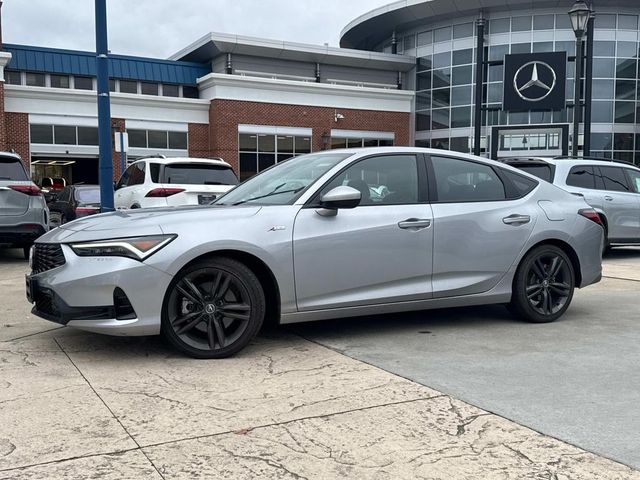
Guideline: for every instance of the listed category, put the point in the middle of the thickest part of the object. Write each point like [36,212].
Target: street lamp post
[579,15]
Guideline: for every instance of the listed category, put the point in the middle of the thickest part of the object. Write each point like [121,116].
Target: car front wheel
[213,308]
[543,286]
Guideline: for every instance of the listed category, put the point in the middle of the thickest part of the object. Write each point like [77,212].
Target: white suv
[611,187]
[161,182]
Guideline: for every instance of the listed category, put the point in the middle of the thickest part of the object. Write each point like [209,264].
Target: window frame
[511,191]
[424,186]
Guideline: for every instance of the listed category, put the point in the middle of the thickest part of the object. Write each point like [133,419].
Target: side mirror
[339,197]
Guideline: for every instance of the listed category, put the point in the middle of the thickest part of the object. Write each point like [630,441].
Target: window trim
[509,188]
[423,184]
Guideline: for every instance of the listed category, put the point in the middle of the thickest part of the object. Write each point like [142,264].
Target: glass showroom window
[158,139]
[63,135]
[260,151]
[337,142]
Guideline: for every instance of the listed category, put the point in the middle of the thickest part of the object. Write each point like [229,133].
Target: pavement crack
[34,334]
[268,461]
[109,408]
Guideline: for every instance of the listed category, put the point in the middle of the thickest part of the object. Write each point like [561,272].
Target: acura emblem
[529,86]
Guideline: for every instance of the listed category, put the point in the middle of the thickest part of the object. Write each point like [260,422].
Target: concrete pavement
[78,405]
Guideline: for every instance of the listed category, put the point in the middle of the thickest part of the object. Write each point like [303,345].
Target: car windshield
[12,169]
[282,183]
[198,174]
[88,195]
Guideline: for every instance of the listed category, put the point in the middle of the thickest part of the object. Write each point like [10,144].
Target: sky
[159,28]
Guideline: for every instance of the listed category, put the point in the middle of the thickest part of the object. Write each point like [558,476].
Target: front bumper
[80,294]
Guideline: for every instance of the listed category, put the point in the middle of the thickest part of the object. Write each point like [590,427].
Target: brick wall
[3,129]
[225,115]
[117,125]
[198,138]
[17,135]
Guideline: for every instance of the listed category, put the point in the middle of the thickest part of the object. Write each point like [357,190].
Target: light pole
[579,15]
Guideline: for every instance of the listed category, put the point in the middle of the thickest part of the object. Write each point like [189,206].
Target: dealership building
[405,74]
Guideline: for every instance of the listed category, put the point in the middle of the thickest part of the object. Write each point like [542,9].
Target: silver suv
[23,212]
[611,187]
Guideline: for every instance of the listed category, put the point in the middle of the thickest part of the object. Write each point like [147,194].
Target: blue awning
[71,62]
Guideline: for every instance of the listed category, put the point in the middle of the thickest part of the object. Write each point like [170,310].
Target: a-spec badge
[276,228]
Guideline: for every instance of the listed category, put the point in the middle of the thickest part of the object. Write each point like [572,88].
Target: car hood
[145,221]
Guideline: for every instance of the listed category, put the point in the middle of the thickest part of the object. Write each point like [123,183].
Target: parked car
[161,182]
[23,212]
[611,187]
[448,230]
[51,187]
[75,201]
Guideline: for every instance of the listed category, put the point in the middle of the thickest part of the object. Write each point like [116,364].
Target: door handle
[516,219]
[608,198]
[414,223]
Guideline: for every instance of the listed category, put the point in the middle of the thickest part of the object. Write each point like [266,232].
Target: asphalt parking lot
[444,394]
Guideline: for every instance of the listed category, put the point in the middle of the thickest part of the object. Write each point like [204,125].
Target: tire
[25,251]
[541,295]
[63,220]
[213,308]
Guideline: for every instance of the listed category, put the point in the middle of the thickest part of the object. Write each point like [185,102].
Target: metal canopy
[213,45]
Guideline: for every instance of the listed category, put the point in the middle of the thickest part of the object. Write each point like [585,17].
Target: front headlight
[137,248]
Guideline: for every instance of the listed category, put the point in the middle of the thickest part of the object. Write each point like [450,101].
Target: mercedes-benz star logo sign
[534,81]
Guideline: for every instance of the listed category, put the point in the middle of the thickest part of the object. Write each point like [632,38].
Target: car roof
[568,161]
[171,160]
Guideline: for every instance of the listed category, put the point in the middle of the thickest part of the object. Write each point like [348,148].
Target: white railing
[274,76]
[357,83]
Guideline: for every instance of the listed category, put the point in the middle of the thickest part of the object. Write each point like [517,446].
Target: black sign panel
[534,81]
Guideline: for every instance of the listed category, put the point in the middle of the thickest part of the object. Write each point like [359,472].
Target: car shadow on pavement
[422,322]
[12,255]
[622,253]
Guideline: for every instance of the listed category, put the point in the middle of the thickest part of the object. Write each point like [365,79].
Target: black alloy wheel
[544,285]
[213,308]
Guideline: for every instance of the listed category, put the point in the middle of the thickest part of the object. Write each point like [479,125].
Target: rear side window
[543,172]
[198,174]
[12,169]
[88,195]
[154,170]
[614,179]
[581,176]
[521,184]
[464,181]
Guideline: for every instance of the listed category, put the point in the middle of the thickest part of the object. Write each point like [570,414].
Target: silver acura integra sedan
[325,235]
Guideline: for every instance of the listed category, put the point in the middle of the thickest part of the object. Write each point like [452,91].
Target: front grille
[46,256]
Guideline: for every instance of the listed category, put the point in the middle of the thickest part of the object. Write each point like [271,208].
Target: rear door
[202,183]
[12,172]
[620,204]
[481,220]
[634,181]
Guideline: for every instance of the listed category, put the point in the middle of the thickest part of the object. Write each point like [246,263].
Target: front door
[378,252]
[478,230]
[620,204]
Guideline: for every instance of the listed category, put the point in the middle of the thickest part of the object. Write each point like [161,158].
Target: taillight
[164,192]
[86,210]
[592,215]
[30,190]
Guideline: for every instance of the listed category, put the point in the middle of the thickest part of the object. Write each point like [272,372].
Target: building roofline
[214,44]
[370,29]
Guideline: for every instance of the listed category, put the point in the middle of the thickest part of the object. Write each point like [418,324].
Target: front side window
[614,179]
[383,180]
[581,177]
[634,176]
[283,183]
[124,179]
[464,181]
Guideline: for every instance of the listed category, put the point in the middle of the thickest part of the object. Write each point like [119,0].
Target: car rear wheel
[213,308]
[543,286]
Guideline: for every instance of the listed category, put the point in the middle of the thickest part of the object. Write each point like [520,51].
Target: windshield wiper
[275,191]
